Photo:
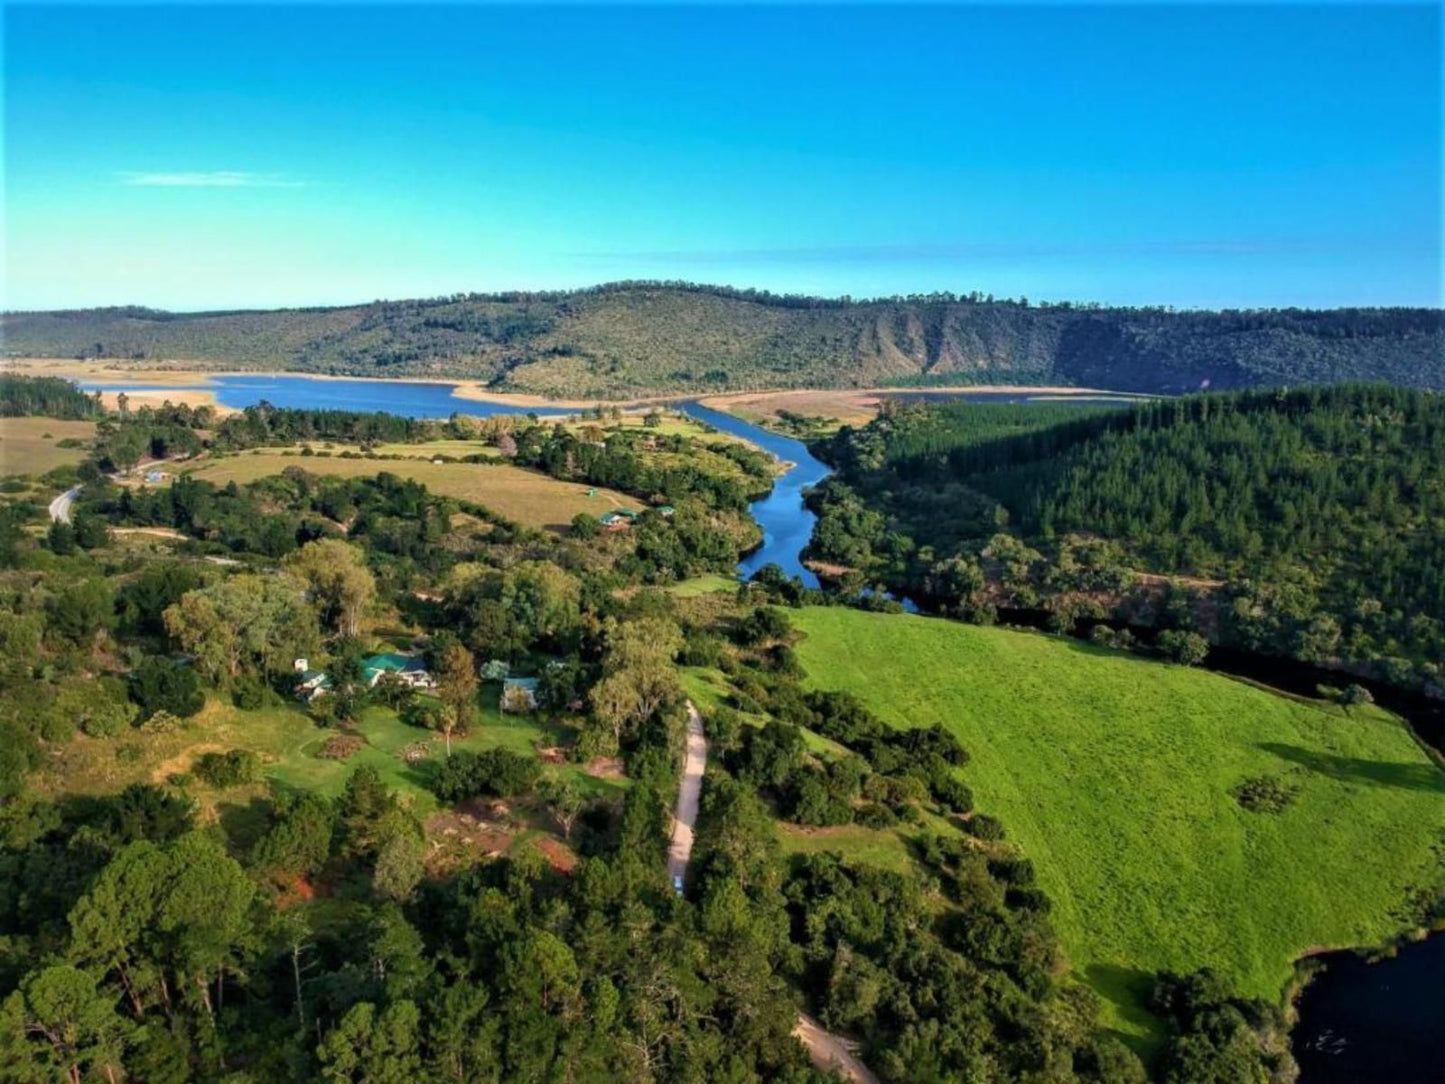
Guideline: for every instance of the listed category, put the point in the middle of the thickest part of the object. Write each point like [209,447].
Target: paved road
[685,819]
[60,507]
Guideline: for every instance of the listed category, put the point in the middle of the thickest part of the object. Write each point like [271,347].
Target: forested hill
[1319,512]
[637,337]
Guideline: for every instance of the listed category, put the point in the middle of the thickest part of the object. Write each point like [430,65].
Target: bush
[233,769]
[1356,694]
[496,772]
[158,685]
[982,826]
[1266,794]
[1185,648]
[162,722]
[250,694]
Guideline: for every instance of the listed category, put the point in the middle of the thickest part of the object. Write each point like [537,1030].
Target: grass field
[703,585]
[28,445]
[288,744]
[1114,775]
[527,497]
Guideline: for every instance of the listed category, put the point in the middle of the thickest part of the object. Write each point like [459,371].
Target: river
[1357,1021]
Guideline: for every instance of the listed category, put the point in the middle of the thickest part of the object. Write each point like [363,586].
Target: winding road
[830,1053]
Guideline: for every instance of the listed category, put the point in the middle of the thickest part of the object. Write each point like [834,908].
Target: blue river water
[414,399]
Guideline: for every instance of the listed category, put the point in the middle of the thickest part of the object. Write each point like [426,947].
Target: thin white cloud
[216,178]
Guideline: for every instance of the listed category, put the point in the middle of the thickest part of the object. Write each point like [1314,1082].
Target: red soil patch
[605,768]
[560,856]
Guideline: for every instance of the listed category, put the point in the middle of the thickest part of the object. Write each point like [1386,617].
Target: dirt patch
[553,754]
[461,836]
[182,761]
[605,768]
[560,856]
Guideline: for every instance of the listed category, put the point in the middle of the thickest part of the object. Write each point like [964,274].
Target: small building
[666,511]
[311,683]
[408,668]
[519,695]
[619,519]
[156,476]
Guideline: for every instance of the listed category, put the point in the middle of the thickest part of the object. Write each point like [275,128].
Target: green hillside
[1115,774]
[631,338]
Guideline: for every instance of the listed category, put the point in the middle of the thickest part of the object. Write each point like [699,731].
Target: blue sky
[202,156]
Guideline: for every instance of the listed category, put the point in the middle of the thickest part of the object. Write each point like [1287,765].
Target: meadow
[1114,775]
[523,496]
[30,445]
[289,745]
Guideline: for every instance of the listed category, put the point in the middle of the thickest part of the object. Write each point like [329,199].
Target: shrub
[163,685]
[162,722]
[982,826]
[496,772]
[233,769]
[250,694]
[1185,648]
[1355,694]
[1266,794]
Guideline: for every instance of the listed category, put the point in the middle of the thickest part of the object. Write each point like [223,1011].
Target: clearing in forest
[524,496]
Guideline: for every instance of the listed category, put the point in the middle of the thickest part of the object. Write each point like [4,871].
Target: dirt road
[685,819]
[60,507]
[832,1053]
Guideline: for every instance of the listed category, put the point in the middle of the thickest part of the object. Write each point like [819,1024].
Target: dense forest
[50,397]
[1308,522]
[629,338]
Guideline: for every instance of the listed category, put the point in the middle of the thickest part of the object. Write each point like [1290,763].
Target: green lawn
[1114,775]
[706,584]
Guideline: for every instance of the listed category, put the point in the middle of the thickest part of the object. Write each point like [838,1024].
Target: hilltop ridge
[633,337]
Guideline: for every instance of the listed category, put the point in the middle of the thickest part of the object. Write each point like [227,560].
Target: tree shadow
[1379,773]
[244,824]
[1128,990]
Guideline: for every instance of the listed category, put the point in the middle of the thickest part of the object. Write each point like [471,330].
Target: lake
[410,398]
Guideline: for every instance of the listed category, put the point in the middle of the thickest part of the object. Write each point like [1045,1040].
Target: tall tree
[457,687]
[339,581]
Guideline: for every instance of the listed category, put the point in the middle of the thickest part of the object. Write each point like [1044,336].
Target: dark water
[1386,1021]
[787,525]
[404,397]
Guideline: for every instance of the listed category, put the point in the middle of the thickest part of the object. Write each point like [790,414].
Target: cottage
[519,695]
[619,519]
[409,669]
[312,683]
